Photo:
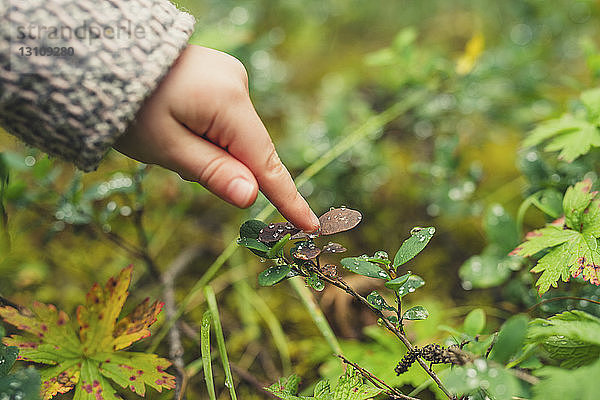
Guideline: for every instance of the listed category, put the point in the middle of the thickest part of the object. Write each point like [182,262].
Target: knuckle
[274,165]
[209,172]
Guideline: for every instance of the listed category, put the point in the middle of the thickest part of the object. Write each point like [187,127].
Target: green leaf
[413,283]
[572,252]
[350,386]
[273,275]
[474,322]
[274,251]
[206,358]
[8,356]
[576,200]
[490,268]
[416,313]
[24,385]
[560,384]
[572,136]
[251,229]
[570,337]
[413,245]
[314,282]
[253,244]
[361,266]
[378,302]
[550,202]
[498,383]
[591,100]
[510,339]
[397,283]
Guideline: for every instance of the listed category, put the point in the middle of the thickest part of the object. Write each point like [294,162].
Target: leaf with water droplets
[361,266]
[8,356]
[339,220]
[419,237]
[258,248]
[305,251]
[416,313]
[395,284]
[333,248]
[251,229]
[275,231]
[413,283]
[314,282]
[273,275]
[378,302]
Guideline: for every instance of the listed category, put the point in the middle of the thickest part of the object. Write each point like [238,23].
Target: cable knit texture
[76,107]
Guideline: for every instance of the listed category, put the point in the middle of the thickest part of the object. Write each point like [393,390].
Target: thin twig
[375,380]
[339,283]
[175,346]
[251,379]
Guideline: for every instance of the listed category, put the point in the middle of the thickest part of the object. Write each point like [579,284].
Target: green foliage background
[478,76]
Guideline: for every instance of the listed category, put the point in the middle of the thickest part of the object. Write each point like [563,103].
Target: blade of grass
[371,125]
[205,350]
[272,322]
[316,314]
[212,306]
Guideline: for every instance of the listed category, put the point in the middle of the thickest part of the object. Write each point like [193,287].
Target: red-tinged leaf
[136,370]
[59,379]
[49,337]
[576,201]
[333,248]
[275,231]
[98,316]
[136,325]
[92,385]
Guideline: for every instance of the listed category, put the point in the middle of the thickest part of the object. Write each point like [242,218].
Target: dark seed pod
[306,251]
[333,248]
[339,220]
[436,354]
[275,231]
[408,360]
[329,270]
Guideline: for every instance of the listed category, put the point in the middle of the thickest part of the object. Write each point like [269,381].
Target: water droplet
[431,230]
[271,226]
[262,260]
[381,254]
[471,373]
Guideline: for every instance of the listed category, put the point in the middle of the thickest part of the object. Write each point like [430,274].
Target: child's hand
[200,123]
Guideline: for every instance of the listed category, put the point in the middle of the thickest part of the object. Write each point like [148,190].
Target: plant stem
[375,380]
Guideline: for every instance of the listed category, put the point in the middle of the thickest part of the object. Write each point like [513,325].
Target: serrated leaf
[361,266]
[510,339]
[377,301]
[413,245]
[560,384]
[251,229]
[413,283]
[474,322]
[572,252]
[273,275]
[576,200]
[416,313]
[572,136]
[136,325]
[397,283]
[136,370]
[82,361]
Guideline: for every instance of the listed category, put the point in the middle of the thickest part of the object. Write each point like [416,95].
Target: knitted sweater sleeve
[101,59]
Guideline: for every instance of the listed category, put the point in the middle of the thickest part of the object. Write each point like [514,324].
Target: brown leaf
[275,231]
[136,325]
[333,248]
[339,220]
[306,251]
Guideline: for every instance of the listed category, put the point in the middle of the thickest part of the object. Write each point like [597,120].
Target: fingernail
[240,192]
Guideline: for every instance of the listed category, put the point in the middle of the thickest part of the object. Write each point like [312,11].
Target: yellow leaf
[473,50]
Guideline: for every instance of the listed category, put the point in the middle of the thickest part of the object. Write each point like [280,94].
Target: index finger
[248,141]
